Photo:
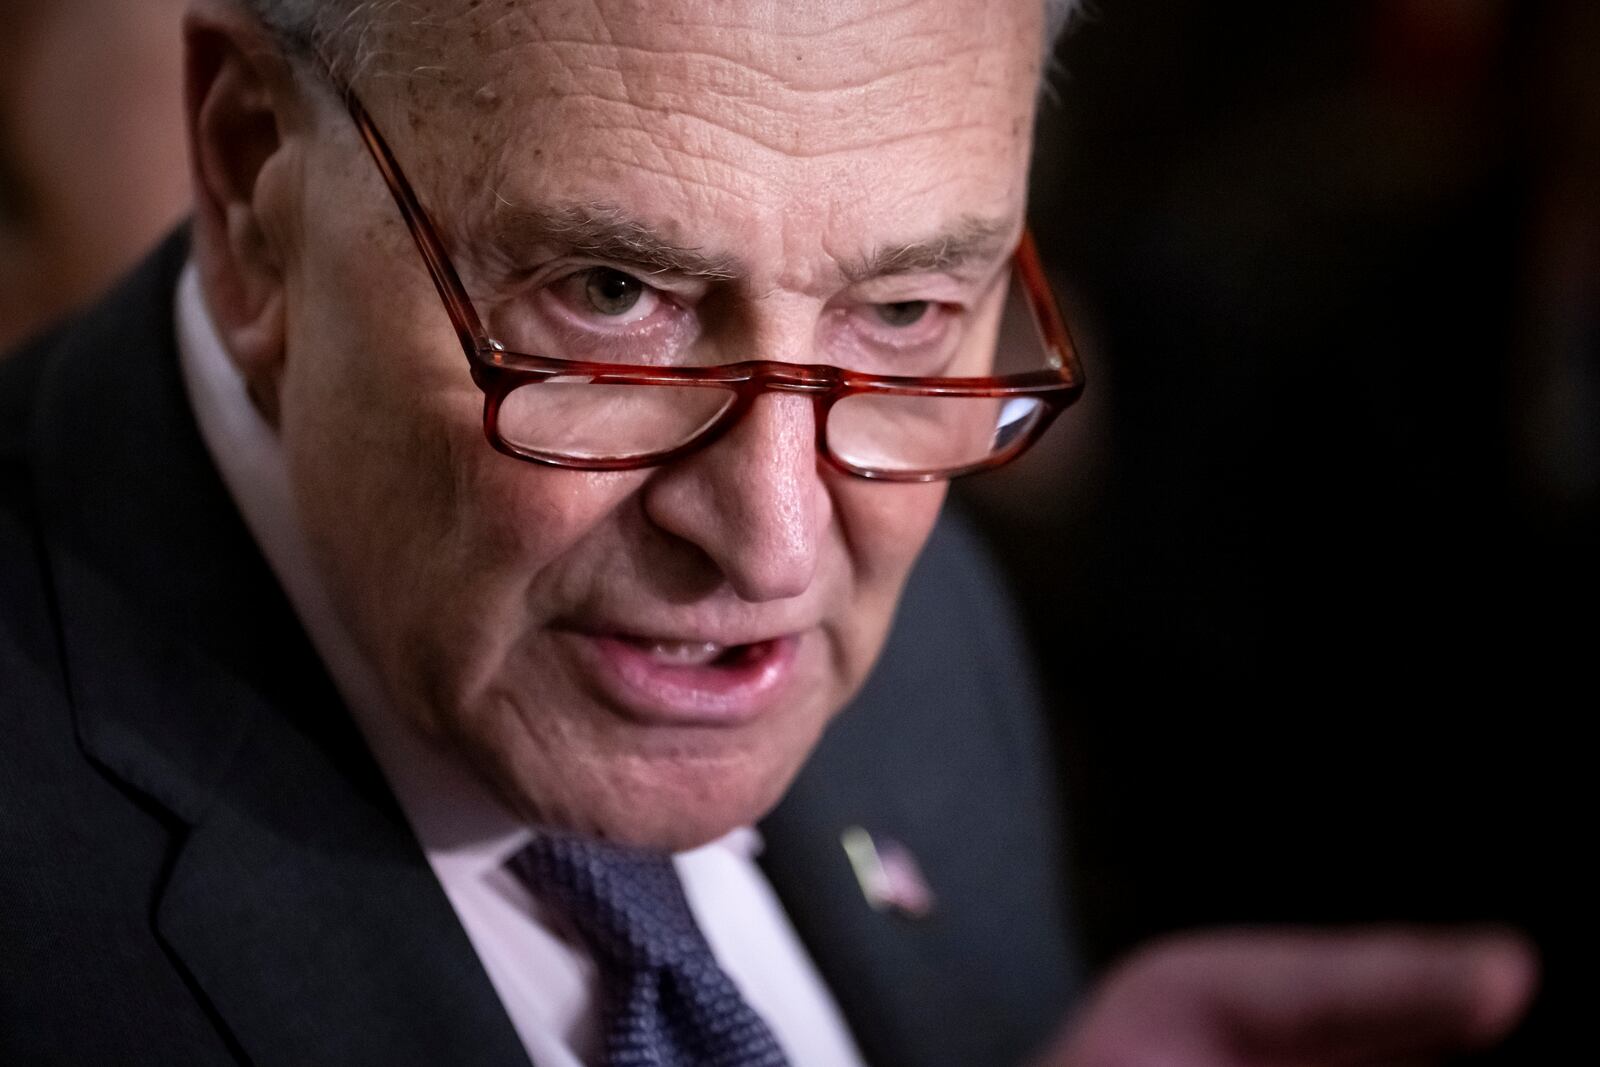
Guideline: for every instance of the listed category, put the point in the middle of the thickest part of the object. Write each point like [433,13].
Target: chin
[599,772]
[674,806]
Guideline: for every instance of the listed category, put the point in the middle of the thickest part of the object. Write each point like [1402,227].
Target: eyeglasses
[618,416]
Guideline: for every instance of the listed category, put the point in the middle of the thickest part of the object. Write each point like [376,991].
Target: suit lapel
[297,900]
[300,907]
[942,753]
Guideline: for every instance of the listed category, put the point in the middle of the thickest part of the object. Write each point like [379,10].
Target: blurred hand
[1303,999]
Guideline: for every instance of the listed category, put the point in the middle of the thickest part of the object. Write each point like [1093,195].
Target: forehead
[757,125]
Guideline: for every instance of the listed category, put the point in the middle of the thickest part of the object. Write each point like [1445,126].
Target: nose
[754,502]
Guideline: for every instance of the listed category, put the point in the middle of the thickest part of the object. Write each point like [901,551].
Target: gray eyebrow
[609,233]
[970,240]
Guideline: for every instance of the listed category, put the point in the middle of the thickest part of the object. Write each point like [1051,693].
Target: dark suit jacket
[200,864]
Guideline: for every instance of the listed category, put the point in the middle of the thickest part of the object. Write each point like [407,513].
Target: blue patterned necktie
[666,1001]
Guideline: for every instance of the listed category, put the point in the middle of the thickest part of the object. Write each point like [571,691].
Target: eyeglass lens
[573,418]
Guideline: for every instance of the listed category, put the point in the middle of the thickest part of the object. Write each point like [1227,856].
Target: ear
[242,105]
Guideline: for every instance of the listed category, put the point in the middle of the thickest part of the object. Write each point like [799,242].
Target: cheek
[369,436]
[517,518]
[884,526]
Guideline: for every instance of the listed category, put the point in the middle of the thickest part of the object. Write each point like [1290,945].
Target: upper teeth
[686,653]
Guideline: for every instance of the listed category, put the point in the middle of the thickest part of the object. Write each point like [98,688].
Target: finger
[1366,996]
[1276,998]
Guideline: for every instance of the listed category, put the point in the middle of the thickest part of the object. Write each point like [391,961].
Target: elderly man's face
[648,655]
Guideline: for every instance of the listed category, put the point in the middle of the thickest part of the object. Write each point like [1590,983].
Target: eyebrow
[606,232]
[610,233]
[971,239]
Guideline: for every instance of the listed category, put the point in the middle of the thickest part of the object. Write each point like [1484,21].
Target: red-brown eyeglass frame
[498,371]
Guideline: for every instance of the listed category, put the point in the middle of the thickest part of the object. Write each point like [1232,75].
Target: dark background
[1310,567]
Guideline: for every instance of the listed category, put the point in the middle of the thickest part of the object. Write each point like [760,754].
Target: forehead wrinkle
[713,69]
[681,108]
[773,86]
[664,16]
[781,40]
[789,143]
[804,48]
[875,108]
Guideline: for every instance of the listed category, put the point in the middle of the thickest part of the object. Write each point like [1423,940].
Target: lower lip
[655,692]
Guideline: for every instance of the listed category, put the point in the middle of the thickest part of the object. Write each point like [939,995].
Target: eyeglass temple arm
[468,327]
[1052,325]
[1053,332]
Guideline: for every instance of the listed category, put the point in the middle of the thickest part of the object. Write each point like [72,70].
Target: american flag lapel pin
[888,873]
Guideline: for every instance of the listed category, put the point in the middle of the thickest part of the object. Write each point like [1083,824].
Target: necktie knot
[627,903]
[666,1001]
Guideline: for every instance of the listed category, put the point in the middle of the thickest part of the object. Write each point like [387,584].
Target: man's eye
[902,313]
[604,298]
[611,292]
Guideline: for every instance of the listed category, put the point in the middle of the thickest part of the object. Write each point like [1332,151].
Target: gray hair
[343,30]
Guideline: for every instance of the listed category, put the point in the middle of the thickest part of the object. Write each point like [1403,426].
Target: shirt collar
[457,821]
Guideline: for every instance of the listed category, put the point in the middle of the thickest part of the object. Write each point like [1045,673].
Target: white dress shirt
[547,983]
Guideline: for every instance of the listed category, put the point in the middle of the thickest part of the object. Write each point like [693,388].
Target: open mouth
[670,682]
[701,653]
